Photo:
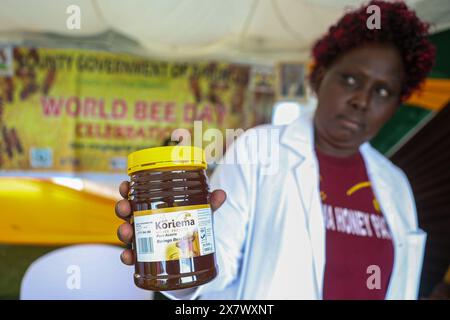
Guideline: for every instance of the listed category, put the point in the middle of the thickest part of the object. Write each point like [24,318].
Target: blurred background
[84,83]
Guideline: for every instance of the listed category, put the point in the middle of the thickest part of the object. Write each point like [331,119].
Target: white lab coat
[271,225]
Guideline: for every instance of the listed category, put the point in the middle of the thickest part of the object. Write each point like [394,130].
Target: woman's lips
[349,123]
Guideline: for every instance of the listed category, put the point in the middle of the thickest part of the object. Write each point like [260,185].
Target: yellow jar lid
[166,157]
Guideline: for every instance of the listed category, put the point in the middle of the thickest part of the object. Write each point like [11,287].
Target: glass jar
[173,225]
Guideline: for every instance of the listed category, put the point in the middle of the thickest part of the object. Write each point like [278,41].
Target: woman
[338,220]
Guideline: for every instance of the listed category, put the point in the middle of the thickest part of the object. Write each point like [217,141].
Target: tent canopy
[262,31]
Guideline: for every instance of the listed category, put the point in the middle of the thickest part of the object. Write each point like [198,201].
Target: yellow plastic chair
[40,212]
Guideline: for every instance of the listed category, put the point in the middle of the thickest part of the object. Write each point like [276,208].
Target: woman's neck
[328,148]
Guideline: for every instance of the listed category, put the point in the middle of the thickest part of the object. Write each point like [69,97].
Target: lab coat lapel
[385,194]
[383,191]
[299,137]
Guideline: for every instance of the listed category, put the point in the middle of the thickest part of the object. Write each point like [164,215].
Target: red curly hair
[400,26]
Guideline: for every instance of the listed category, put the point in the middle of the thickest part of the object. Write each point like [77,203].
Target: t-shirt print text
[355,222]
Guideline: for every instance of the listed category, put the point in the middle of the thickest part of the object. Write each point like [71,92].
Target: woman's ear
[317,81]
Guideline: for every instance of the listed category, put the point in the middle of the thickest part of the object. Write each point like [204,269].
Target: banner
[81,110]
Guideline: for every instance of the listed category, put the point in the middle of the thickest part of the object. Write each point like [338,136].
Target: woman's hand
[123,211]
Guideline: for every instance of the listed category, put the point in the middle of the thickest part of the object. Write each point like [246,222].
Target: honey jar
[173,239]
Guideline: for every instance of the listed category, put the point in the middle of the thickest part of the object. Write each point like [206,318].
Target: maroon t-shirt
[359,249]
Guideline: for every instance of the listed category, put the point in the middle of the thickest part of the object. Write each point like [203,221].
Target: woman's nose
[360,99]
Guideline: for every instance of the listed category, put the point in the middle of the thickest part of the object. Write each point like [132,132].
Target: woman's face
[357,95]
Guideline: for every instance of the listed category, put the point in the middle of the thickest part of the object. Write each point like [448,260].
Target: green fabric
[404,120]
[442,42]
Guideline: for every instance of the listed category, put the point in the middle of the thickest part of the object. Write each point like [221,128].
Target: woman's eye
[383,92]
[350,80]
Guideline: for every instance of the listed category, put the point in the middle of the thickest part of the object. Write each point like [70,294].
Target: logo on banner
[6,62]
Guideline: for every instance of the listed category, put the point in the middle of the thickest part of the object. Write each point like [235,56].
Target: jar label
[173,233]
